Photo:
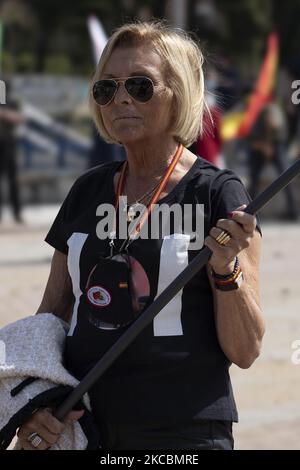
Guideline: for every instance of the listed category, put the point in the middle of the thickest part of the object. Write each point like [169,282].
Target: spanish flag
[238,125]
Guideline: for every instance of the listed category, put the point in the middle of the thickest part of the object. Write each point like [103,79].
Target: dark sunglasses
[139,88]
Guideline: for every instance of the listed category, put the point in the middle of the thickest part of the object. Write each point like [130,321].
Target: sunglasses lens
[103,91]
[140,88]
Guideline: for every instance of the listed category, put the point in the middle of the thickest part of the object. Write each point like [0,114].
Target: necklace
[134,206]
[154,198]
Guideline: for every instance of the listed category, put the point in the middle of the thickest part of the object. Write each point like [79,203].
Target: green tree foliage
[37,31]
[63,26]
[247,24]
[286,20]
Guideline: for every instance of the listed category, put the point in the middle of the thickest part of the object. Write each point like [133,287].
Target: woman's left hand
[241,227]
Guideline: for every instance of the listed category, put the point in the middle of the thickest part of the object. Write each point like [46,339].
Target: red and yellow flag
[238,125]
[264,86]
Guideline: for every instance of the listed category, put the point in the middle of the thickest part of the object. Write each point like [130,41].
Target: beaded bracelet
[231,285]
[224,277]
[230,281]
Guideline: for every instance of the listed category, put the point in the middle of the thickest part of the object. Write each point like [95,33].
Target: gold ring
[223,238]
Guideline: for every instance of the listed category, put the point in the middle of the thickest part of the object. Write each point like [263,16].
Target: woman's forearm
[58,296]
[239,323]
[238,317]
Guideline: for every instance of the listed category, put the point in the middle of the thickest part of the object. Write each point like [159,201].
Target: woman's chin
[129,137]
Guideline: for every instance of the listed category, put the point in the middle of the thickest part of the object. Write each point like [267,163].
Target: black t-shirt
[175,369]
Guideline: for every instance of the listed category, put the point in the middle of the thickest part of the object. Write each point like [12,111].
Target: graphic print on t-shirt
[173,258]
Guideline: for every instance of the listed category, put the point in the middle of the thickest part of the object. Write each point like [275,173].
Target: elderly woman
[171,388]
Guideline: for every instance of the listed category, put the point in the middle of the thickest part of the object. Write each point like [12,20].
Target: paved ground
[267,394]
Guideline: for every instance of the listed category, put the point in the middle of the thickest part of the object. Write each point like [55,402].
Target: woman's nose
[122,96]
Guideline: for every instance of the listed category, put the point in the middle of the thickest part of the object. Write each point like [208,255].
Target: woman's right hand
[46,426]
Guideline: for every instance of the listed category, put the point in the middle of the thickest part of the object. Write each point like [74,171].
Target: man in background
[10,117]
[267,145]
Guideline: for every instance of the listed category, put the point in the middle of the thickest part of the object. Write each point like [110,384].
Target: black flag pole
[164,298]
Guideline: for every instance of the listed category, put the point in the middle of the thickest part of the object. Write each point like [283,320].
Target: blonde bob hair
[182,60]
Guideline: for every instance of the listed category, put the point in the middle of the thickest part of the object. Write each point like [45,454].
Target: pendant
[131,214]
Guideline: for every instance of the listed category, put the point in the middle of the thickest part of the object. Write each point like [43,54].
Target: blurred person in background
[229,85]
[292,109]
[10,118]
[267,145]
[209,145]
[171,388]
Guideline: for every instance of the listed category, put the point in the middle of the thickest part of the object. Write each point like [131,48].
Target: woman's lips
[126,117]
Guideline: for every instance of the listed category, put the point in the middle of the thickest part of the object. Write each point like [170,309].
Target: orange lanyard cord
[155,197]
